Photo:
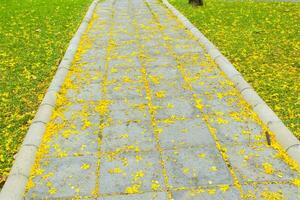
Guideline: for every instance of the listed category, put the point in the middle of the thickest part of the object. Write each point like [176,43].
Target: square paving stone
[86,112]
[230,131]
[176,34]
[164,72]
[170,88]
[212,193]
[161,61]
[123,74]
[92,65]
[126,50]
[197,166]
[69,111]
[89,92]
[198,69]
[64,177]
[214,104]
[144,196]
[122,62]
[262,192]
[184,133]
[130,115]
[130,172]
[151,43]
[156,50]
[85,77]
[179,106]
[187,49]
[138,134]
[103,38]
[205,86]
[73,142]
[186,41]
[258,163]
[76,115]
[93,54]
[121,90]
[127,104]
[123,37]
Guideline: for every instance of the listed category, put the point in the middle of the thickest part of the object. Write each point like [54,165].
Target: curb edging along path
[283,135]
[15,184]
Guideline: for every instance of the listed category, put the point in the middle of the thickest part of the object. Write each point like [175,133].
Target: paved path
[145,114]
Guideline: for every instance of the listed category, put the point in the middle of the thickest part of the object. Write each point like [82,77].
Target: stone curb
[283,135]
[15,184]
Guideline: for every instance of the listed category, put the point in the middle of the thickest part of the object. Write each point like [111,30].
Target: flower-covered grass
[262,41]
[33,38]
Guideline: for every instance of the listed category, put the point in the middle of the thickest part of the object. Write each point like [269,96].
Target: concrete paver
[145,113]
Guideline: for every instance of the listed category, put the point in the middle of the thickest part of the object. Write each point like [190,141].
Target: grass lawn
[34,35]
[262,40]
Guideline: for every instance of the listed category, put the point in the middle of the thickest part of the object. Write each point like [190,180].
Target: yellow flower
[186,170]
[116,170]
[199,104]
[268,195]
[268,168]
[160,94]
[296,182]
[135,188]
[52,190]
[155,185]
[201,155]
[213,169]
[85,166]
[224,188]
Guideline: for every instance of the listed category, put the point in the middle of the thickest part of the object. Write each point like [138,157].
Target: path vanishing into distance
[145,113]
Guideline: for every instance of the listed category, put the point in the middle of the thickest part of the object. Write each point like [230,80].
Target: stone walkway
[146,114]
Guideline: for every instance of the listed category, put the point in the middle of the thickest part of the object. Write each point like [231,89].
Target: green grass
[34,35]
[262,40]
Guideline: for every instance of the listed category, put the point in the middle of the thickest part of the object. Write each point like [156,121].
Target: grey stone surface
[64,178]
[231,129]
[254,163]
[119,90]
[127,104]
[192,167]
[74,142]
[185,133]
[161,61]
[178,106]
[138,134]
[130,115]
[170,72]
[122,171]
[90,92]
